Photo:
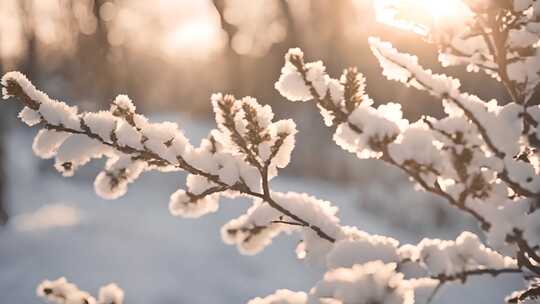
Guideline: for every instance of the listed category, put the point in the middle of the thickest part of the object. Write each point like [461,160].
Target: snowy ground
[154,256]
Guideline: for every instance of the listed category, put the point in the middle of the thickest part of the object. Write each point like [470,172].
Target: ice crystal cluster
[481,158]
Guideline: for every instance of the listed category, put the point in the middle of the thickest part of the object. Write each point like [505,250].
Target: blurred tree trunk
[103,72]
[93,63]
[234,64]
[245,77]
[28,67]
[30,62]
[3,175]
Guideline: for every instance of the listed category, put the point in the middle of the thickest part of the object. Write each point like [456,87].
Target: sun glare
[192,34]
[444,9]
[422,16]
[194,39]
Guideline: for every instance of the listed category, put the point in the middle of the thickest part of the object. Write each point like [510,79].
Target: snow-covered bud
[111,294]
[291,83]
[282,296]
[123,107]
[354,84]
[373,282]
[190,205]
[60,291]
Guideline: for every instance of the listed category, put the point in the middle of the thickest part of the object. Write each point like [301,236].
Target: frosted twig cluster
[481,158]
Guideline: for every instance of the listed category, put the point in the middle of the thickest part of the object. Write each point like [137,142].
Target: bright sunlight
[422,16]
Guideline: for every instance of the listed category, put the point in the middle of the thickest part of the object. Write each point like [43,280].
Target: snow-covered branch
[481,157]
[61,291]
[485,117]
[497,37]
[241,156]
[361,128]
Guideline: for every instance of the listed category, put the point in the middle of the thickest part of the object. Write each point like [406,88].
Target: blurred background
[169,57]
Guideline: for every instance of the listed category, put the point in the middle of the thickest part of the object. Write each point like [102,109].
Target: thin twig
[14,89]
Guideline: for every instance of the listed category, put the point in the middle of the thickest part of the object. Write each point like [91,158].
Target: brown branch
[268,198]
[193,198]
[324,101]
[287,223]
[226,105]
[523,245]
[460,204]
[481,129]
[459,53]
[383,147]
[499,34]
[462,276]
[498,51]
[150,157]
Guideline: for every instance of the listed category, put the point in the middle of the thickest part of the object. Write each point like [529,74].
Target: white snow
[111,294]
[137,235]
[232,148]
[48,217]
[373,282]
[282,296]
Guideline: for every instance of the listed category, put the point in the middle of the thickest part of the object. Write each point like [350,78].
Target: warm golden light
[193,38]
[423,16]
[444,11]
